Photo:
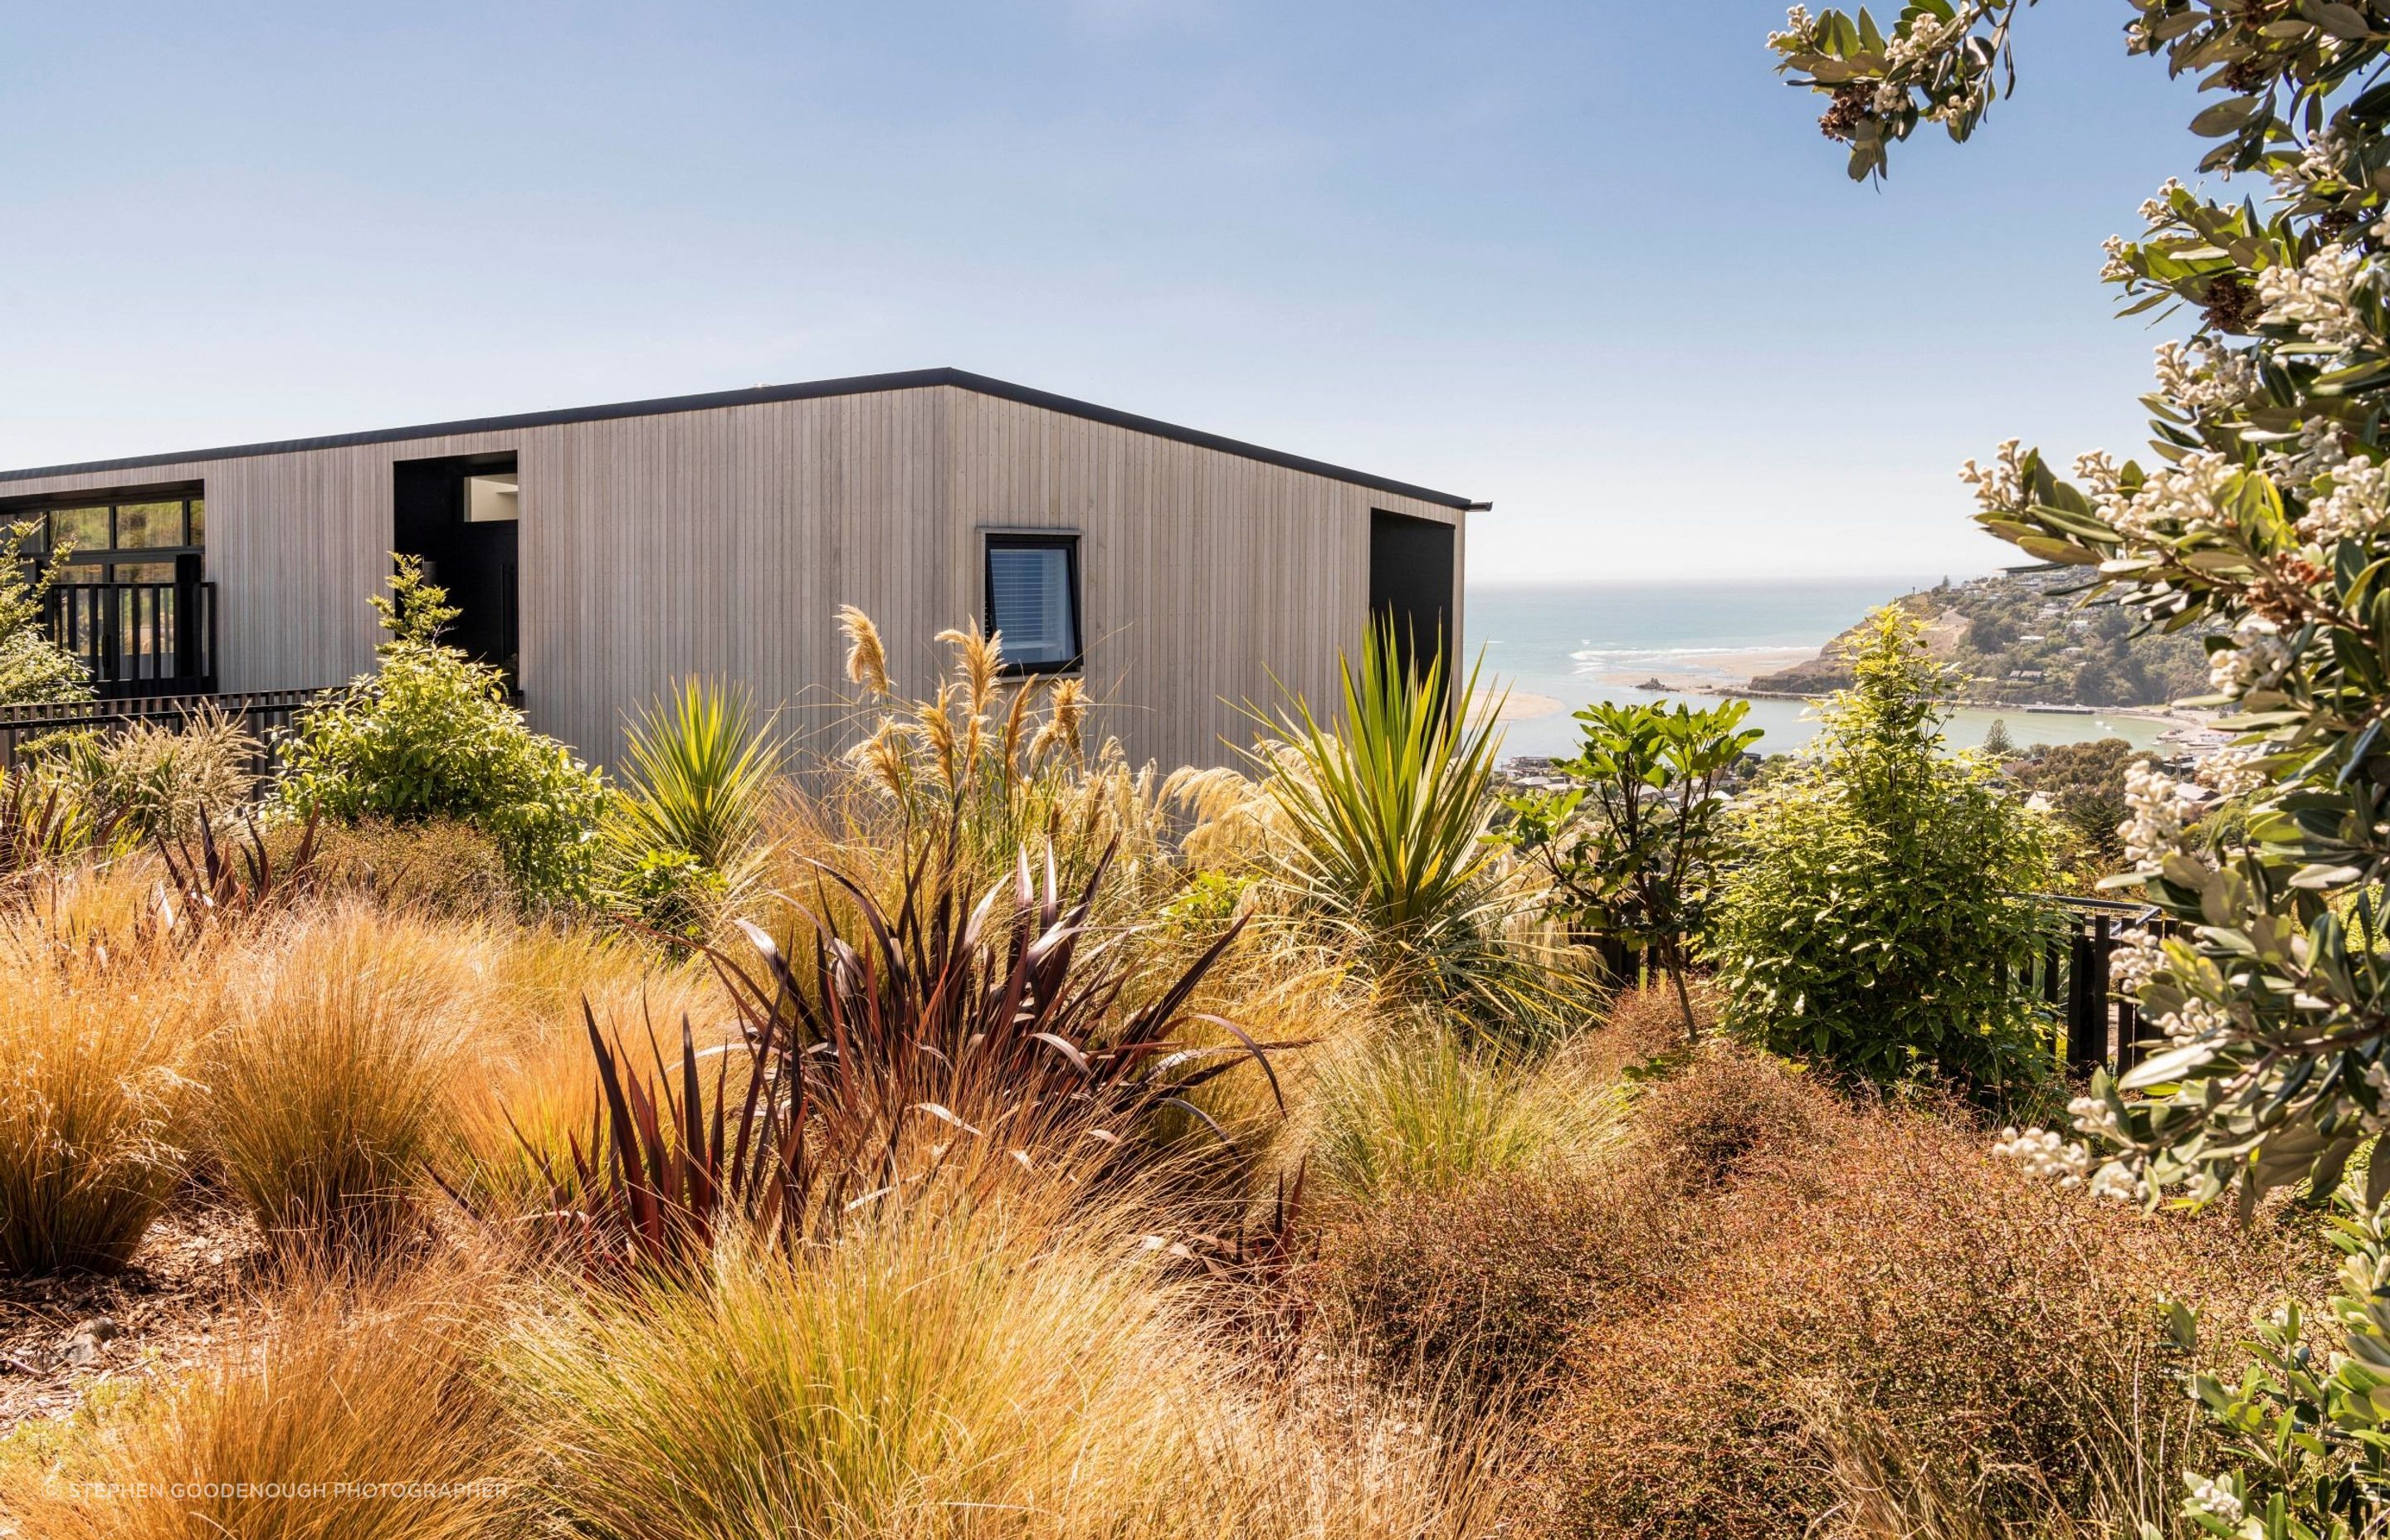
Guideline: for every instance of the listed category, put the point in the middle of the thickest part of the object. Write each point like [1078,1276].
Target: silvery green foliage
[2307,1421]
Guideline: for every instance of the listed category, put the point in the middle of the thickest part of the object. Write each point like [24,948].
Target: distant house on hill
[600,553]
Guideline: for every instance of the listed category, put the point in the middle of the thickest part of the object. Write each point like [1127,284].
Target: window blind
[1030,603]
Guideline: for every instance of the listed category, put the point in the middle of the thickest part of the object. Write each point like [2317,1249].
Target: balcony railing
[138,638]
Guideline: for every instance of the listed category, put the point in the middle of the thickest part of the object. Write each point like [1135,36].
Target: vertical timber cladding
[720,540]
[1208,579]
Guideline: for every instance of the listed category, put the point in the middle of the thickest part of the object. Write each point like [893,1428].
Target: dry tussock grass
[361,1378]
[1011,1363]
[96,1101]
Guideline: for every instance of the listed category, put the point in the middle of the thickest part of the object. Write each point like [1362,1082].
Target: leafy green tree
[1997,741]
[32,666]
[2263,517]
[1874,911]
[1632,845]
[2083,784]
[431,735]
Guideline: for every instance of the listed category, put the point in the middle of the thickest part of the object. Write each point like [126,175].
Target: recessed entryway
[460,514]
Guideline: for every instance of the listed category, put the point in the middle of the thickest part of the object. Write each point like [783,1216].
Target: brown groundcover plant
[1872,1326]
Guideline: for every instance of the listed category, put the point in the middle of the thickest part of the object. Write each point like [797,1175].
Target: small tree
[1631,845]
[431,735]
[32,666]
[1997,742]
[1875,908]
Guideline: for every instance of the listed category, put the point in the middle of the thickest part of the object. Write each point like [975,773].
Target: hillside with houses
[2022,638]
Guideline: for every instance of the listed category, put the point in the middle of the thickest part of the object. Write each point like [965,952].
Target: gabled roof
[910,380]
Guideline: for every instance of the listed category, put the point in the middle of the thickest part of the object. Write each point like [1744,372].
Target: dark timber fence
[268,714]
[2071,976]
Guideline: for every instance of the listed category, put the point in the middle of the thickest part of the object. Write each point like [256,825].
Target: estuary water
[1557,647]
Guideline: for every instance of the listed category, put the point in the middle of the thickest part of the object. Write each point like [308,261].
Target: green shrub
[1875,911]
[1632,845]
[431,735]
[32,666]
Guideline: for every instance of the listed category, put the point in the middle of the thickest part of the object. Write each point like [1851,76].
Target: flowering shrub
[2265,515]
[431,735]
[1874,906]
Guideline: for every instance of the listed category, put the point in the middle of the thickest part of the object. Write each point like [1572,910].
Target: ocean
[1557,647]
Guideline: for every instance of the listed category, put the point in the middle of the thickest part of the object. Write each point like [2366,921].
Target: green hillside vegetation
[2019,638]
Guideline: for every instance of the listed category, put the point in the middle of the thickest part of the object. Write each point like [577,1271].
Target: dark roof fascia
[909,379]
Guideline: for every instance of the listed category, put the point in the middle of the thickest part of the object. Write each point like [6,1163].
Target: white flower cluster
[2322,447]
[2135,961]
[2321,161]
[2000,487]
[2120,1182]
[2095,1117]
[1796,30]
[2357,503]
[2160,204]
[2173,499]
[2318,297]
[2044,1155]
[1906,49]
[2213,1498]
[2257,660]
[2194,1019]
[2115,269]
[2159,807]
[2207,378]
[2231,771]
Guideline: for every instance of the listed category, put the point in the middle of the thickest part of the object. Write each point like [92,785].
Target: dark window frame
[1065,541]
[111,499]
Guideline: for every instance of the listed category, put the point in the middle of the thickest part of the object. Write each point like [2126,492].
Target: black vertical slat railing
[138,638]
[2070,975]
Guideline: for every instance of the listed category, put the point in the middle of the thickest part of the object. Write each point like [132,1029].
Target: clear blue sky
[1589,260]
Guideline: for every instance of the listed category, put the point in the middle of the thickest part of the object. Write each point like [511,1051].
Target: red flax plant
[933,1033]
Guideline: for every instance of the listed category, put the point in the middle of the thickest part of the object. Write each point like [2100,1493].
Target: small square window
[1033,600]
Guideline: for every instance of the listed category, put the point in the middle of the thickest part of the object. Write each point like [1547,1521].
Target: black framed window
[130,537]
[1033,600]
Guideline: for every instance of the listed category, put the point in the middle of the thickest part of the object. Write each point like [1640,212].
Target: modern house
[599,553]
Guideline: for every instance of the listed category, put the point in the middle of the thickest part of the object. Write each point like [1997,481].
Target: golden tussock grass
[1014,1365]
[96,1098]
[346,1407]
[330,1083]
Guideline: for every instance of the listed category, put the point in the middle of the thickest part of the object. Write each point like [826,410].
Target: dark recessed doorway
[460,515]
[1410,586]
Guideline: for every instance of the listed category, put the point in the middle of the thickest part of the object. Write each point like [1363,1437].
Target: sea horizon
[1558,646]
